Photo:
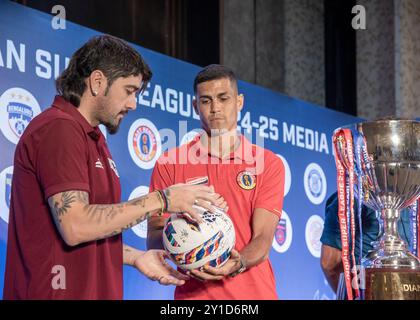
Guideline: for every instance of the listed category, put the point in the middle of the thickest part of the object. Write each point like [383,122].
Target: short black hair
[214,72]
[111,55]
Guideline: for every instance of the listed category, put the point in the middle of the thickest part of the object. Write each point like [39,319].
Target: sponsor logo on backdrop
[144,143]
[315,183]
[140,229]
[5,192]
[17,108]
[284,234]
[313,232]
[287,175]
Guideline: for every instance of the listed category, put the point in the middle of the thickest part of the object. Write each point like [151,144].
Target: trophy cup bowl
[393,147]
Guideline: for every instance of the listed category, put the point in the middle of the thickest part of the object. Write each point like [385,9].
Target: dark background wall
[184,29]
[302,48]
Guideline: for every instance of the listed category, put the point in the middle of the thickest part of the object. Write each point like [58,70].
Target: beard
[112,126]
[110,121]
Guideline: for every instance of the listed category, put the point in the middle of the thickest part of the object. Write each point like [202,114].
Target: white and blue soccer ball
[192,245]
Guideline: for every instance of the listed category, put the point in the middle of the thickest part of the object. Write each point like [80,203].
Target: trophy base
[391,284]
[389,258]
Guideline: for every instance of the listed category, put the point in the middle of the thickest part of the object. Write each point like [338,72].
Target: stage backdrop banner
[33,53]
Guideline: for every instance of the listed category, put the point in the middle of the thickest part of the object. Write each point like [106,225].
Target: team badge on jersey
[246,180]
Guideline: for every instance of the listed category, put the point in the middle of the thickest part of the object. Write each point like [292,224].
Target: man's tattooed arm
[78,221]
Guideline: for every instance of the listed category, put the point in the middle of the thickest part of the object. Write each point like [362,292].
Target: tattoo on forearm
[100,213]
[141,201]
[60,205]
[115,232]
[103,211]
[82,196]
[107,212]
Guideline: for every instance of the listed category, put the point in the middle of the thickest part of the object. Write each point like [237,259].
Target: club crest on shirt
[246,180]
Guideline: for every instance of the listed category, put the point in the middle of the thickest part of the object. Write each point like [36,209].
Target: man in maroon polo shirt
[66,219]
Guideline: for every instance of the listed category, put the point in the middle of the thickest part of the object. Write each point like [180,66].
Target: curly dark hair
[111,55]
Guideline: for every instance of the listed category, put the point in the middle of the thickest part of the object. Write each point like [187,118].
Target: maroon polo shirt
[60,151]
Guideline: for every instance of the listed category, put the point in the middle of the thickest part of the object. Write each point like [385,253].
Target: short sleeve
[270,183]
[62,158]
[162,176]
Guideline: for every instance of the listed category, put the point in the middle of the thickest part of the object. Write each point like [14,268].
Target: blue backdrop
[33,53]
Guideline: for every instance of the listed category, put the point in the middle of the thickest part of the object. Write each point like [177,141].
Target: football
[192,245]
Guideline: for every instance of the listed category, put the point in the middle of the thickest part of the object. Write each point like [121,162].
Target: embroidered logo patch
[246,180]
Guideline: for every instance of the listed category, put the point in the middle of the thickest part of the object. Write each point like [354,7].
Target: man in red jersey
[66,219]
[249,178]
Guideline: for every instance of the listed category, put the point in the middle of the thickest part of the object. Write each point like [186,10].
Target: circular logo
[283,234]
[315,183]
[313,232]
[144,143]
[141,228]
[190,136]
[5,192]
[17,108]
[287,175]
[246,180]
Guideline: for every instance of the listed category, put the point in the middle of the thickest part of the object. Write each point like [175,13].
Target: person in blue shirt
[331,238]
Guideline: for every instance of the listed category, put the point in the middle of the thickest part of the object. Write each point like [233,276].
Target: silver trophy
[391,183]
